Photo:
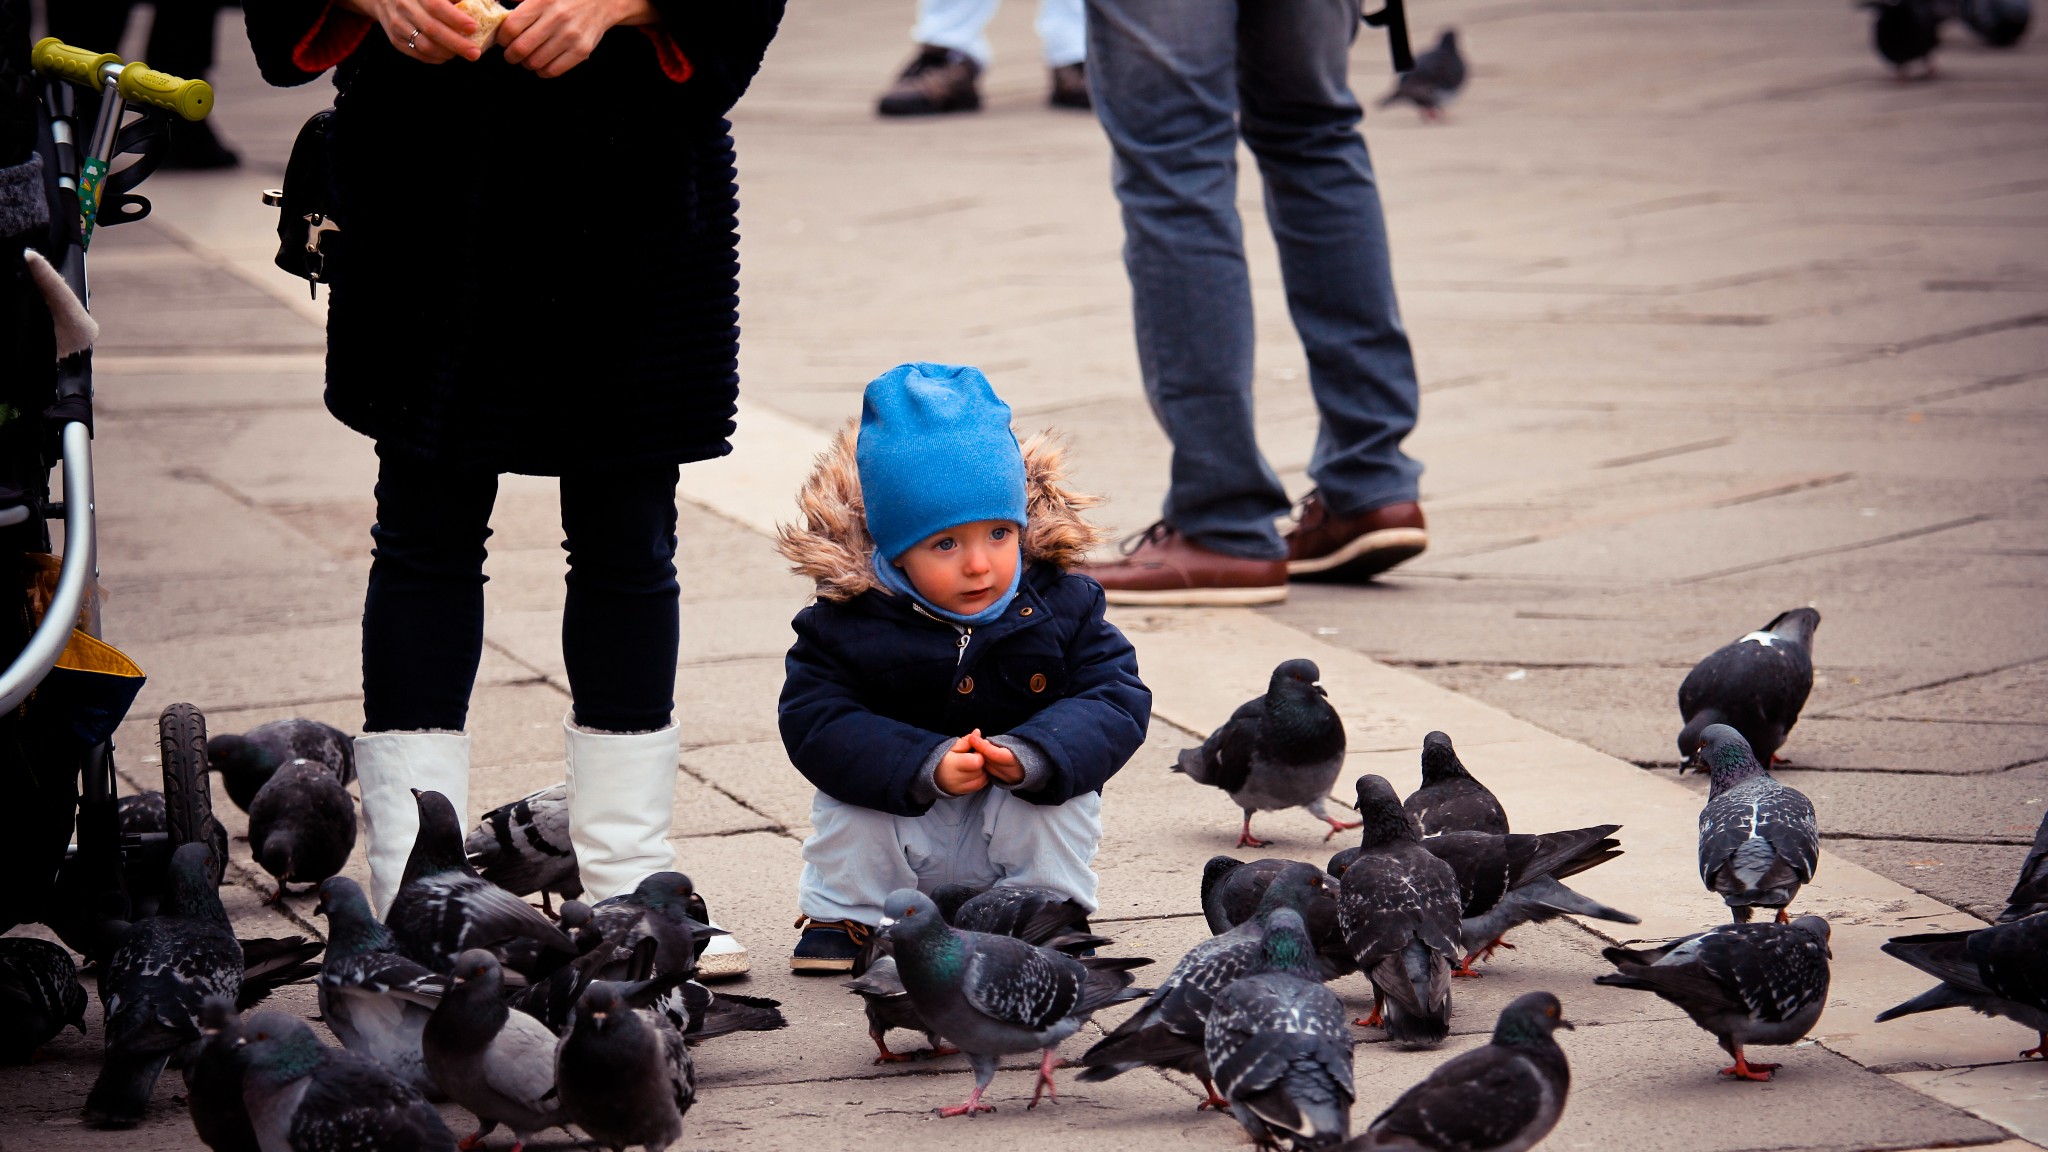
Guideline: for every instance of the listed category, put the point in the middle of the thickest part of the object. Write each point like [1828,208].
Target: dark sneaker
[1325,546]
[1070,87]
[1161,566]
[829,945]
[938,80]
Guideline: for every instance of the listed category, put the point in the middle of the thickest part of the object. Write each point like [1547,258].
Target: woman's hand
[431,31]
[552,36]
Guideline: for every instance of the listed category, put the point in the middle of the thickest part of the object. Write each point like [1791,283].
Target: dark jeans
[1176,83]
[423,620]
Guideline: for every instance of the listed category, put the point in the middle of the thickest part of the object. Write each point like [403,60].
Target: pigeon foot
[2038,1051]
[1783,917]
[1045,1085]
[1337,826]
[470,1141]
[1744,1070]
[1214,1101]
[1464,968]
[1373,1021]
[1245,839]
[969,1108]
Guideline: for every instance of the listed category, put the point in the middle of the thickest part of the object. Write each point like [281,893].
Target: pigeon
[625,1075]
[1280,750]
[271,962]
[303,1096]
[1399,908]
[1277,1042]
[1435,81]
[1504,1097]
[664,906]
[1167,1031]
[374,1000]
[888,1008]
[141,813]
[39,996]
[1999,23]
[2030,893]
[1747,984]
[1906,32]
[302,825]
[213,1081]
[497,1063]
[1997,971]
[1450,800]
[1031,914]
[1757,685]
[1507,881]
[443,907]
[247,761]
[523,847]
[1233,892]
[996,995]
[152,986]
[1759,841]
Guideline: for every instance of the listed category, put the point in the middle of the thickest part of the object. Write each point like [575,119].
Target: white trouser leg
[1048,846]
[852,861]
[389,765]
[622,798]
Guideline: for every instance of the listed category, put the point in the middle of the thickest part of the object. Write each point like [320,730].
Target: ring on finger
[412,42]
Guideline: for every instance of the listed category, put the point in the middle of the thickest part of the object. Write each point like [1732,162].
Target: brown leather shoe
[1325,546]
[1160,566]
[1070,87]
[938,80]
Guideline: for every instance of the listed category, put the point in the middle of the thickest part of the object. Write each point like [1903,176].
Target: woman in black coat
[536,274]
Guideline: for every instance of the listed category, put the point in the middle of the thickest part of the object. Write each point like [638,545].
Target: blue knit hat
[935,451]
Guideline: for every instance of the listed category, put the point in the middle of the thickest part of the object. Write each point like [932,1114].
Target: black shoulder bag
[309,236]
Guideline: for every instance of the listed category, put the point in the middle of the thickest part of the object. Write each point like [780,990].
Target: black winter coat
[873,686]
[540,275]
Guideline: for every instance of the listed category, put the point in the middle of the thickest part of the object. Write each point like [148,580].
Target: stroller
[65,691]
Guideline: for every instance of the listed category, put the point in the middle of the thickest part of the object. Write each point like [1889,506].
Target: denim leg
[961,25]
[1063,29]
[423,616]
[1164,78]
[1300,120]
[619,622]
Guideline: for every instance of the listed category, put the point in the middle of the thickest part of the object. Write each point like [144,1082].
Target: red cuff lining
[674,64]
[337,33]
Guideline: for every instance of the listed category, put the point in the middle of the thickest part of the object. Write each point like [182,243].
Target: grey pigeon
[1756,685]
[888,1008]
[39,996]
[141,813]
[443,907]
[1280,750]
[2030,892]
[302,825]
[213,1081]
[1759,841]
[247,761]
[497,1063]
[1435,81]
[625,1075]
[303,1096]
[153,984]
[1997,971]
[664,907]
[1906,32]
[374,1000]
[1747,984]
[1279,1046]
[523,847]
[1999,23]
[1031,914]
[1233,892]
[996,995]
[1504,1097]
[1168,1030]
[1507,881]
[1400,911]
[1450,800]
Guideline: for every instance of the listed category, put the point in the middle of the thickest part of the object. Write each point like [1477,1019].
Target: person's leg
[952,50]
[1045,845]
[853,859]
[961,25]
[1063,31]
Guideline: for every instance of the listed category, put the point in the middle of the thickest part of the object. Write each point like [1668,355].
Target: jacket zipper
[966,634]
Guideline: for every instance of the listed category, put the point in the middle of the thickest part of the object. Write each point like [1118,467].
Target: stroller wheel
[188,802]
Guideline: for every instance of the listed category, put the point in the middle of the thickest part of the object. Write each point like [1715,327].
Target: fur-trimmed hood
[833,548]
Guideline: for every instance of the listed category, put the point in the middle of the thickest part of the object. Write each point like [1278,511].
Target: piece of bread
[488,14]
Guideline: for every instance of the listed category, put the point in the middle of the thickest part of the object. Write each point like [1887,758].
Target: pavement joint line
[1667,453]
[1930,340]
[1941,683]
[779,828]
[1836,550]
[1883,838]
[1786,489]
[1991,384]
[270,513]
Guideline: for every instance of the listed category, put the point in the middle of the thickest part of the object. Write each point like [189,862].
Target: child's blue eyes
[945,545]
[948,544]
[1000,534]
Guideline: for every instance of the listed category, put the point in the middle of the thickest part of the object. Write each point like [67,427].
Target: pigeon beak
[599,1015]
[1567,1025]
[887,920]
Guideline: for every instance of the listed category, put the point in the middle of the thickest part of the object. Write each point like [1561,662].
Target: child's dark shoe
[829,945]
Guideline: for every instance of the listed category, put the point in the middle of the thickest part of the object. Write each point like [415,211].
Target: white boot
[389,765]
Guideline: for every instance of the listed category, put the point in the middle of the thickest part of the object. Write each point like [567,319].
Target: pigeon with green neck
[303,1096]
[1401,915]
[1279,1046]
[1759,839]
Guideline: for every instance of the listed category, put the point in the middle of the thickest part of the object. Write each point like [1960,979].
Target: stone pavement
[1713,319]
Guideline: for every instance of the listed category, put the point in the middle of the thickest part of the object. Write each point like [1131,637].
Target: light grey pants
[857,856]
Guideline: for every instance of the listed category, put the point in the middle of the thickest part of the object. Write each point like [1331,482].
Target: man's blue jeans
[1175,83]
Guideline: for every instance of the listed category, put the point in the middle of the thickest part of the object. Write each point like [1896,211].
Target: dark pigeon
[444,908]
[1759,841]
[1757,685]
[1031,914]
[1233,892]
[888,1008]
[1399,908]
[213,1081]
[665,907]
[39,996]
[1999,23]
[246,762]
[497,1063]
[141,813]
[1997,971]
[271,962]
[303,1096]
[164,967]
[376,1001]
[302,825]
[1906,32]
[1507,881]
[996,995]
[1504,1097]
[1280,750]
[624,1074]
[1168,1030]
[1747,984]
[523,847]
[1435,81]
[1450,800]
[1279,1046]
[2030,893]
